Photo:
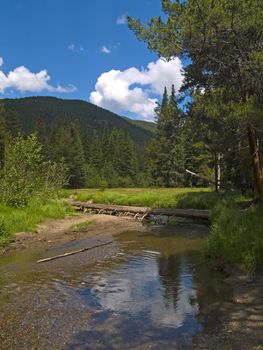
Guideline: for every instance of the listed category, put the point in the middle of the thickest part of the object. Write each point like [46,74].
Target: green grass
[202,198]
[195,198]
[13,220]
[81,226]
[237,236]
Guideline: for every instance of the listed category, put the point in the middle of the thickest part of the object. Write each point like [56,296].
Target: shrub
[26,174]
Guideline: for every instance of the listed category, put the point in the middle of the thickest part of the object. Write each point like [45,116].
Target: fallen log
[183,213]
[145,211]
[109,207]
[72,252]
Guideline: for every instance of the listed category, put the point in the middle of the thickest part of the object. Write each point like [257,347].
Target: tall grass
[237,236]
[195,198]
[201,198]
[14,220]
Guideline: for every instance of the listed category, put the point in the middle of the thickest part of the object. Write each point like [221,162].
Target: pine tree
[177,139]
[13,123]
[2,135]
[67,146]
[166,149]
[223,42]
[41,132]
[96,154]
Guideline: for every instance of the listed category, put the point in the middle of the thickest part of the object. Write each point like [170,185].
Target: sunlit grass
[13,220]
[196,198]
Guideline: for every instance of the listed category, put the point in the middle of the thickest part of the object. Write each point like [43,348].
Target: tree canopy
[222,42]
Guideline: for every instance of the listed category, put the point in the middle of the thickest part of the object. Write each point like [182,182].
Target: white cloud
[75,48]
[1,61]
[105,49]
[122,19]
[137,91]
[22,79]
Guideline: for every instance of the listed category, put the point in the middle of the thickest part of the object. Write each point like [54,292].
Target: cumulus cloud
[122,19]
[137,91]
[105,49]
[75,48]
[1,61]
[23,80]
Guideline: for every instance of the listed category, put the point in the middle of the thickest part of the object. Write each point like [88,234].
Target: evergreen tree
[166,149]
[96,154]
[223,42]
[67,146]
[2,135]
[177,140]
[13,123]
[41,132]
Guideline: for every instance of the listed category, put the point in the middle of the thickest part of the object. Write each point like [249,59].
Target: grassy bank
[237,236]
[199,198]
[14,220]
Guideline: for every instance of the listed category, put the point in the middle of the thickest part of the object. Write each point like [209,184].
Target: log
[183,213]
[72,252]
[145,211]
[199,176]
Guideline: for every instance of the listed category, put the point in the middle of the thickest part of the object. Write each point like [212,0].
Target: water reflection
[158,284]
[149,289]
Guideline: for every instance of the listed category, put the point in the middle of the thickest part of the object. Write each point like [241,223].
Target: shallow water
[145,291]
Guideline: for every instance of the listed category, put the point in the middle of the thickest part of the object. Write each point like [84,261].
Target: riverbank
[26,219]
[84,226]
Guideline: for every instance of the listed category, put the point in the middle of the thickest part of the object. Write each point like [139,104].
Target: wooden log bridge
[141,213]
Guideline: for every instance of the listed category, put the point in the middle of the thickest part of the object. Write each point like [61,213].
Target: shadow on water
[150,290]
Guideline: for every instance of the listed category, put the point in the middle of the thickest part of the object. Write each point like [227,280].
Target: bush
[25,173]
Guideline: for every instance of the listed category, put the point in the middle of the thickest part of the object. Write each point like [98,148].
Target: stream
[145,291]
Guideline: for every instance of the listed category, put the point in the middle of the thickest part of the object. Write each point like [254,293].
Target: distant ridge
[92,119]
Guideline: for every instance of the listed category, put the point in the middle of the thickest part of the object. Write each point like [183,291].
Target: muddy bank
[54,232]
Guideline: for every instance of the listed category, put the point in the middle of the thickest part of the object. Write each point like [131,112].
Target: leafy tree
[223,41]
[23,171]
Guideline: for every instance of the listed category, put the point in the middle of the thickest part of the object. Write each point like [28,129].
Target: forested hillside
[91,118]
[97,147]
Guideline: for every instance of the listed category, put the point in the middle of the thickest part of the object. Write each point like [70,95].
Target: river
[150,290]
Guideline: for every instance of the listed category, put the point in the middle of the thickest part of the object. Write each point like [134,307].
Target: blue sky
[77,42]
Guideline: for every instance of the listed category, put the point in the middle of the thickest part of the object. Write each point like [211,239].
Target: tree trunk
[252,139]
[217,171]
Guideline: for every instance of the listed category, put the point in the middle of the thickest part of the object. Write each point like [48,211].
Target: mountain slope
[91,118]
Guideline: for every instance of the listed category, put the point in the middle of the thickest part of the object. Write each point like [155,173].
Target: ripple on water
[147,289]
